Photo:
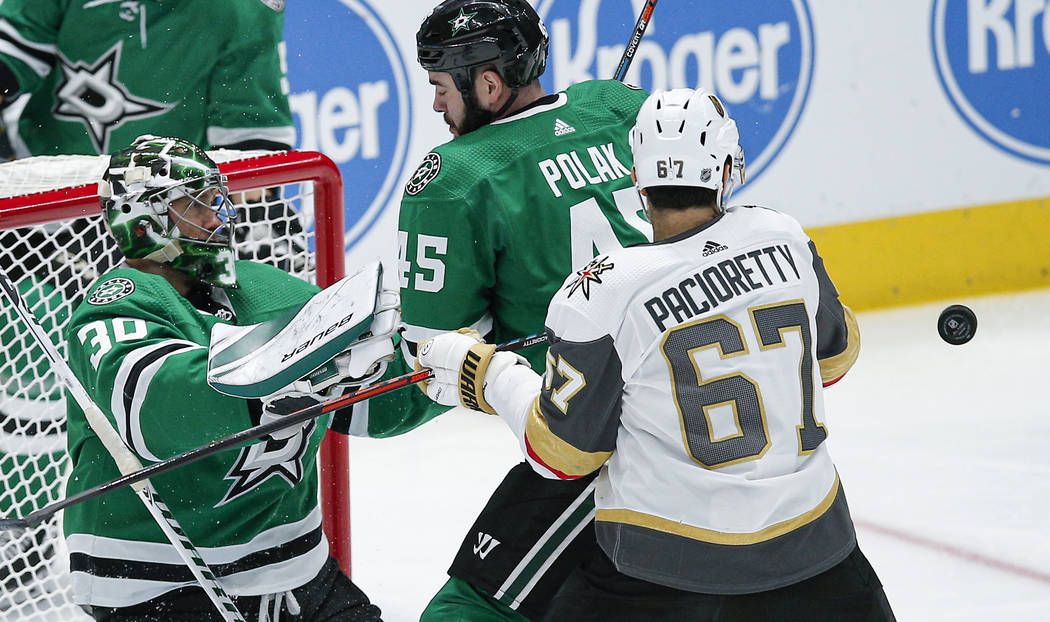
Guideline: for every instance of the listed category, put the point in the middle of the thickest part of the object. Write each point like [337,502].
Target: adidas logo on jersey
[713,247]
[561,128]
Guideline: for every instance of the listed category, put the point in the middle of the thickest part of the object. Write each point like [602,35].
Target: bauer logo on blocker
[757,55]
[351,101]
[993,60]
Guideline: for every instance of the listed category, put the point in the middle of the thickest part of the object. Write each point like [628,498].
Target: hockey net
[53,245]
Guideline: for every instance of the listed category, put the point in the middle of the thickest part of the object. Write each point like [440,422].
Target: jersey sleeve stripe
[558,456]
[833,368]
[225,136]
[131,386]
[39,57]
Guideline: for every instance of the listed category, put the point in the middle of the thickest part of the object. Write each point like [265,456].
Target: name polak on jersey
[721,283]
[570,168]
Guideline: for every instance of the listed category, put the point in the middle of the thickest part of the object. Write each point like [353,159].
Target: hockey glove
[367,358]
[463,364]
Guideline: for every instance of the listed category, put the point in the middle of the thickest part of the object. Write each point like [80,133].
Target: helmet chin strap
[506,105]
[478,117]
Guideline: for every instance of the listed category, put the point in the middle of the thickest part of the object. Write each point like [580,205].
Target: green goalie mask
[165,200]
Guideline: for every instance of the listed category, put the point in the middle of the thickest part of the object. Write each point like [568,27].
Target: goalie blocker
[340,339]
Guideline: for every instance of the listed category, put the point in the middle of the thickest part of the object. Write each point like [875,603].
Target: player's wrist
[511,385]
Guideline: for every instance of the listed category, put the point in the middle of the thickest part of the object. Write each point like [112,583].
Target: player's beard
[473,118]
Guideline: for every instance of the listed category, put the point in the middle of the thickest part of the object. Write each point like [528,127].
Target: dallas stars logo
[92,95]
[425,174]
[589,274]
[113,289]
[272,458]
[461,21]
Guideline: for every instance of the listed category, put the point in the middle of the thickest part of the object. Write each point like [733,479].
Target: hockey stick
[126,461]
[222,444]
[636,38]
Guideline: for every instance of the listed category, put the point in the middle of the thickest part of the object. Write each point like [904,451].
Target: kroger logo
[757,55]
[993,59]
[350,99]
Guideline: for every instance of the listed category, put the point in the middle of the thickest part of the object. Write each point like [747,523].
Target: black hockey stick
[636,38]
[126,461]
[222,444]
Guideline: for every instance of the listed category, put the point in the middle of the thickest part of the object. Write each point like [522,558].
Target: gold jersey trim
[641,519]
[556,453]
[835,367]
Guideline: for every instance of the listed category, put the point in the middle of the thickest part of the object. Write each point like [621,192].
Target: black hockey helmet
[460,35]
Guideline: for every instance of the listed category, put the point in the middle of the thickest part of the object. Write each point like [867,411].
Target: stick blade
[7,524]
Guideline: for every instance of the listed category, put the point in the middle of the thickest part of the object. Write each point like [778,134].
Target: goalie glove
[342,335]
[367,358]
[463,367]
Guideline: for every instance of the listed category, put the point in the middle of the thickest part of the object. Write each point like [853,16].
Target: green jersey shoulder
[567,119]
[99,74]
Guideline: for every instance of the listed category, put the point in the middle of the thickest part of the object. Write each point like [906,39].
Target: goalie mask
[165,200]
[685,137]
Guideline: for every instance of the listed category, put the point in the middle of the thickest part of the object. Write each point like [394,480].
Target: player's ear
[634,178]
[490,88]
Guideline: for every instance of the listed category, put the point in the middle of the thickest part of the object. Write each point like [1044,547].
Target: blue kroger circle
[757,55]
[351,100]
[994,63]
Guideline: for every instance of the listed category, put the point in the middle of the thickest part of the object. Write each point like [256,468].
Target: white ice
[943,452]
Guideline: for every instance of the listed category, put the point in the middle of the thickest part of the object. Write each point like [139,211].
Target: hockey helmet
[685,137]
[139,191]
[460,35]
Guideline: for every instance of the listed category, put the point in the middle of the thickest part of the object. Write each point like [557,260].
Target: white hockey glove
[463,365]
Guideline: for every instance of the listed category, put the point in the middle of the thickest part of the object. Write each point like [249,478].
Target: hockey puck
[957,324]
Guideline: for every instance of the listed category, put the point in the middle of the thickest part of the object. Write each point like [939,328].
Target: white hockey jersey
[690,370]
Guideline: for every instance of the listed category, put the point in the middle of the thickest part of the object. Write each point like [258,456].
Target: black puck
[957,324]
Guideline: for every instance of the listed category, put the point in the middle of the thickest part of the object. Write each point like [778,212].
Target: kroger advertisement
[848,111]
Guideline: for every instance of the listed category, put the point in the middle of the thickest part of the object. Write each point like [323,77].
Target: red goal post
[53,245]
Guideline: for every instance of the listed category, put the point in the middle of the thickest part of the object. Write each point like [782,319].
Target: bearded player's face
[460,118]
[448,101]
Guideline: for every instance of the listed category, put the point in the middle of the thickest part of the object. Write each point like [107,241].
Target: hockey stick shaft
[126,461]
[238,438]
[636,38]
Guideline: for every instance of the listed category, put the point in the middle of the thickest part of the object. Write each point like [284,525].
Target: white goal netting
[53,254]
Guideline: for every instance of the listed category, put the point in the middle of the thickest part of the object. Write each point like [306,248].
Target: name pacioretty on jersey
[721,283]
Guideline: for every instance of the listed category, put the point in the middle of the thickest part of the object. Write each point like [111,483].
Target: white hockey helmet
[684,137]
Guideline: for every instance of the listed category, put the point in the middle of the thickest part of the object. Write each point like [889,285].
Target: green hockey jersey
[99,74]
[492,222]
[140,350]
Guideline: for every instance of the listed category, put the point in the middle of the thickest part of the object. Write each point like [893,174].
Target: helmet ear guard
[685,137]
